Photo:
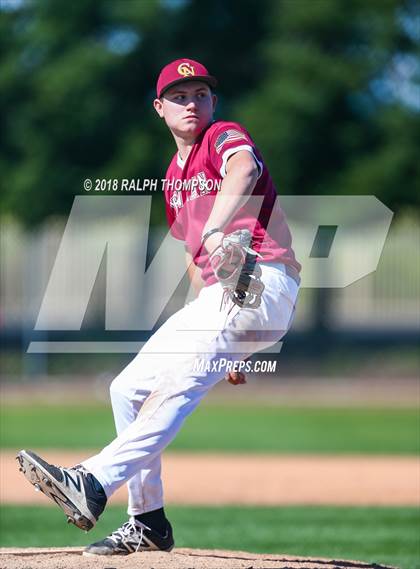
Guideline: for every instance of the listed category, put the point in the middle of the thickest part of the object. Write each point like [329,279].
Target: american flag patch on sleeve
[230,135]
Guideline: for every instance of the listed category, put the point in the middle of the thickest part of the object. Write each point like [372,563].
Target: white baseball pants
[154,394]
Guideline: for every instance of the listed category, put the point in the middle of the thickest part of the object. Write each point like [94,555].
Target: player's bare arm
[237,186]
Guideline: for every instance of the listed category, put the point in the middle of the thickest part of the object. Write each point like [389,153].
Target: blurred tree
[327,88]
[338,109]
[77,83]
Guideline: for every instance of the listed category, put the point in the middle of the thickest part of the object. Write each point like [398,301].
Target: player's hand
[235,377]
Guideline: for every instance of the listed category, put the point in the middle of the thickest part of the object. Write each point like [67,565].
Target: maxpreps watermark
[223,366]
[114,233]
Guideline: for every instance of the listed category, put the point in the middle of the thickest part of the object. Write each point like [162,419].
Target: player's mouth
[196,117]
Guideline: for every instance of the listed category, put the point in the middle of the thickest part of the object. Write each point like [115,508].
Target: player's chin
[195,123]
[192,128]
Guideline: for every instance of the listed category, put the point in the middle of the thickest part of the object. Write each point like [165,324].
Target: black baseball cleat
[75,490]
[131,537]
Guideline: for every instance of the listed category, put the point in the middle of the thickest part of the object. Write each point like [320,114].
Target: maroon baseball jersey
[191,187]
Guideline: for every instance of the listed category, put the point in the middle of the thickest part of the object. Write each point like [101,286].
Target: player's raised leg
[76,491]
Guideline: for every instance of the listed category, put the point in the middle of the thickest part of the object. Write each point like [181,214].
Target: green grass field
[225,428]
[381,535]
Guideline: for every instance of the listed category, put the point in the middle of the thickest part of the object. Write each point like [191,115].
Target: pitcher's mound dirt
[71,558]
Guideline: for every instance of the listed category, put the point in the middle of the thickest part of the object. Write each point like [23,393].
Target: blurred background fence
[380,311]
[385,301]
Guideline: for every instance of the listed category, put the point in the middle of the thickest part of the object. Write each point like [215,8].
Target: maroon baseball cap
[182,70]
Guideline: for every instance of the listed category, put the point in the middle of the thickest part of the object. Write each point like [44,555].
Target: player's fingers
[235,377]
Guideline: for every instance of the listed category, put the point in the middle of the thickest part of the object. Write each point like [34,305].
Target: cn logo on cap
[182,70]
[186,69]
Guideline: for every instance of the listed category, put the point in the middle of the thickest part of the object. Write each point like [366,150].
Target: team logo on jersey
[176,202]
[203,184]
[200,186]
[186,69]
[230,135]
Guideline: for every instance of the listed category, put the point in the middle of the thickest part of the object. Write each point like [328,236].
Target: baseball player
[221,202]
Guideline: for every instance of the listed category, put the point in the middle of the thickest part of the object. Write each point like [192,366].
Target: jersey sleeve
[228,139]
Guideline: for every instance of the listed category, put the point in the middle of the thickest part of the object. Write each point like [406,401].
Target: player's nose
[192,104]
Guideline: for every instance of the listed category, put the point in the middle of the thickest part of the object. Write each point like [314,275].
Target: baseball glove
[234,265]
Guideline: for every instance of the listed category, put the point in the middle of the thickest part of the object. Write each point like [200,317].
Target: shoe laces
[126,530]
[80,468]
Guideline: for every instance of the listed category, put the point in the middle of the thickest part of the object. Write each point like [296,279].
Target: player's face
[187,108]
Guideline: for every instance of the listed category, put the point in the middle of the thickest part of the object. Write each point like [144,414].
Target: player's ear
[214,99]
[158,105]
